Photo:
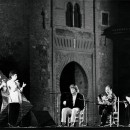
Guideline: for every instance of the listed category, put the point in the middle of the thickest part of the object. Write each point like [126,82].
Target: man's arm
[114,99]
[101,99]
[18,85]
[64,99]
[100,102]
[21,89]
[82,102]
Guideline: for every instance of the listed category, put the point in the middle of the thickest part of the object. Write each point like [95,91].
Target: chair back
[116,114]
[81,114]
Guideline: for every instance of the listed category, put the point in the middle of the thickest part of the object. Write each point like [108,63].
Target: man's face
[14,76]
[107,90]
[72,90]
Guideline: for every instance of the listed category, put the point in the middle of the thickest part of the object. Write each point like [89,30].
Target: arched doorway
[73,73]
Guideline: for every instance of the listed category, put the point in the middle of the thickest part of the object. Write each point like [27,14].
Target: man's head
[108,89]
[13,74]
[74,89]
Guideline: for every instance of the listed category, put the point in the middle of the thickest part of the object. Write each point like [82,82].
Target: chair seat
[78,119]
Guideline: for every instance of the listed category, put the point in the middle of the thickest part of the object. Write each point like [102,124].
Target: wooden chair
[113,118]
[115,115]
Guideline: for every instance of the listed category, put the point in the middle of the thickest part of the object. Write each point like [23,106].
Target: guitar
[106,100]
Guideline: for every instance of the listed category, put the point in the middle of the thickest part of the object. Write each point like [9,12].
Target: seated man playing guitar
[107,104]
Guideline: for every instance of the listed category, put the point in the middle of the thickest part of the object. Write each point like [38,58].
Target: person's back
[5,96]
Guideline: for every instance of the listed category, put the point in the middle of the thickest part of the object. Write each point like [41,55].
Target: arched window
[69,15]
[43,18]
[77,16]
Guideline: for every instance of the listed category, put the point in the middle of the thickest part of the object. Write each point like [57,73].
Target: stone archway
[63,60]
[73,73]
[84,63]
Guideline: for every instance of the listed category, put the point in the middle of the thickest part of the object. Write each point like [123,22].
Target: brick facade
[41,25]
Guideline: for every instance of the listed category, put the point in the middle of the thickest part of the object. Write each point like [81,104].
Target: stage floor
[56,127]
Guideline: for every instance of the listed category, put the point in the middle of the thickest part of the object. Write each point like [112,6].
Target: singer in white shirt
[15,97]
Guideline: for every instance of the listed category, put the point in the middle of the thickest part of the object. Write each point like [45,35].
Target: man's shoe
[63,124]
[9,125]
[102,124]
[72,125]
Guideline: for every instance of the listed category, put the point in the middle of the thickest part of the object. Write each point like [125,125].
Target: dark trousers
[104,111]
[127,115]
[13,113]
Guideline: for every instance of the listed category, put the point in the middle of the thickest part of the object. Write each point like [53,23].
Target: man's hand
[125,104]
[23,85]
[21,89]
[64,103]
[128,99]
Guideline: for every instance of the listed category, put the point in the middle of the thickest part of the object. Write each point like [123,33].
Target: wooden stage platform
[75,128]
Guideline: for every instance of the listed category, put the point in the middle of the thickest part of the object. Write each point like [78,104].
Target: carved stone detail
[85,60]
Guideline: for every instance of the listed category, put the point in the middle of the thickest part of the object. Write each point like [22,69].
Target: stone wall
[104,46]
[14,40]
[40,54]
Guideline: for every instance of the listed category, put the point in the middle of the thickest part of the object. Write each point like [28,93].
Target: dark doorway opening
[73,73]
[67,77]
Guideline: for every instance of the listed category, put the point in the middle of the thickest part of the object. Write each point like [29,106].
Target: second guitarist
[107,104]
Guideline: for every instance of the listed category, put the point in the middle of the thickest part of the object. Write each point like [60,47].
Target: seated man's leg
[104,116]
[101,107]
[109,109]
[73,115]
[102,112]
[65,112]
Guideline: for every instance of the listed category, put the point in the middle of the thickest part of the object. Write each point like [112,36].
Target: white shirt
[15,95]
[74,98]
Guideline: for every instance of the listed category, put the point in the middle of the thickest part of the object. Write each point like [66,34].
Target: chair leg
[68,123]
[80,123]
[110,120]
